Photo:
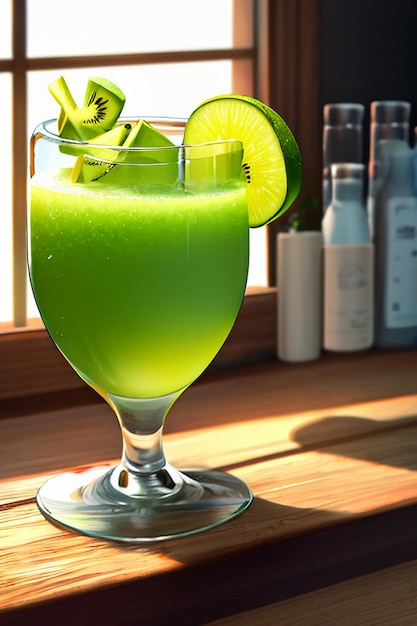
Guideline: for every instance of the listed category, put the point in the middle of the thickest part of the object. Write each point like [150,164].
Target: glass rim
[170,123]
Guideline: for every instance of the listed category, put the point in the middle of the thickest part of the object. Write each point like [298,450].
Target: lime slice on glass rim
[271,156]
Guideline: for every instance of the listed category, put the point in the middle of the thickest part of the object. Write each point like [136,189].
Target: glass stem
[143,470]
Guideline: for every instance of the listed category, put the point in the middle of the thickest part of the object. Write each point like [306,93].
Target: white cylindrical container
[299,273]
[348,264]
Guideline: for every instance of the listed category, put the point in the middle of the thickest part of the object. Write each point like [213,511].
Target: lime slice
[271,160]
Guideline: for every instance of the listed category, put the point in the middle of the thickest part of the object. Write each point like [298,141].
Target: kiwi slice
[103,103]
[271,159]
[96,162]
[160,158]
[143,134]
[60,91]
[106,165]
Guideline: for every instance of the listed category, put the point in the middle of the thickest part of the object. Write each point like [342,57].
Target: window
[166,56]
[269,54]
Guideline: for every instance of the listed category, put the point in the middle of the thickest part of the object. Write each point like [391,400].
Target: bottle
[390,119]
[348,263]
[415,159]
[396,248]
[342,140]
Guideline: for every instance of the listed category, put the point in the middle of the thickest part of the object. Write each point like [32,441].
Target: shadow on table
[392,442]
[356,437]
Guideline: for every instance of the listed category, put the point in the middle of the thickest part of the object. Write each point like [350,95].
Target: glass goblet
[138,272]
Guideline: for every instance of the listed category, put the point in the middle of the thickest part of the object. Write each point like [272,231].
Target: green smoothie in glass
[138,285]
[138,257]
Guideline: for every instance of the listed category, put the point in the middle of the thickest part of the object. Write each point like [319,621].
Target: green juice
[138,286]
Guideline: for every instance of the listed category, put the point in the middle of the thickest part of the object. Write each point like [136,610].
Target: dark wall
[368,51]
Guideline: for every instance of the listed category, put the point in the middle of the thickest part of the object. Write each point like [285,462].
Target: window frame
[284,75]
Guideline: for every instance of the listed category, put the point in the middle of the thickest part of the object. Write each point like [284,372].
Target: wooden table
[329,449]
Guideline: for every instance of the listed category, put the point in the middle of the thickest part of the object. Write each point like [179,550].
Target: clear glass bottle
[348,263]
[342,140]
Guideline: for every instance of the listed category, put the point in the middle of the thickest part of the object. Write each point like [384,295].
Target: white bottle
[396,249]
[348,263]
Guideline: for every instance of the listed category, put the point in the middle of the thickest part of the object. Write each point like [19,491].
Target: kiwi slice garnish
[103,103]
[95,124]
[96,162]
[160,156]
[107,165]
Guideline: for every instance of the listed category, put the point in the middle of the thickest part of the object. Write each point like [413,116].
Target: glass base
[103,502]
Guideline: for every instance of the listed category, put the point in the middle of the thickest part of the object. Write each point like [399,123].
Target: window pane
[257,275]
[164,89]
[5,29]
[6,203]
[84,28]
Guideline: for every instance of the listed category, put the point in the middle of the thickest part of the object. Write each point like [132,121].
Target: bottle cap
[348,170]
[390,111]
[343,114]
